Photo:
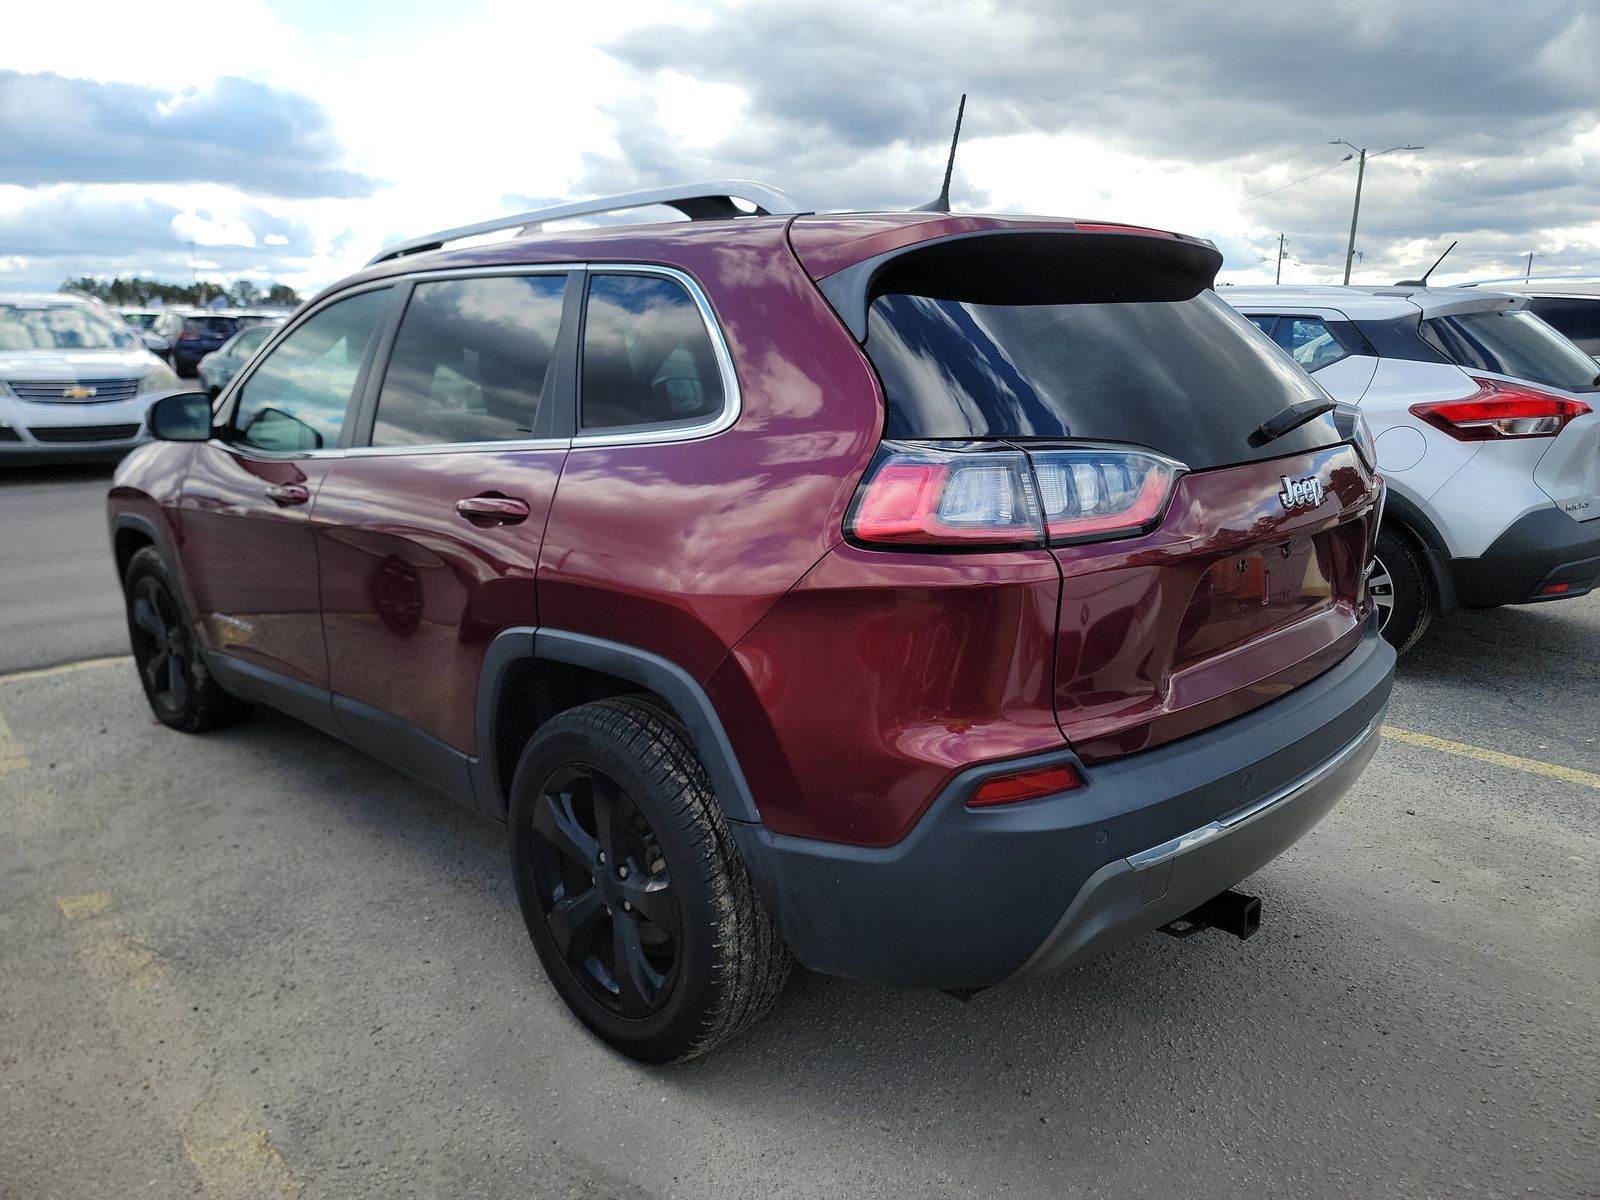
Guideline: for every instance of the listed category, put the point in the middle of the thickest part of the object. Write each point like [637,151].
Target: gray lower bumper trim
[1223,826]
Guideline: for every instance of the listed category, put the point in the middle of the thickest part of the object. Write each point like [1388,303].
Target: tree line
[136,291]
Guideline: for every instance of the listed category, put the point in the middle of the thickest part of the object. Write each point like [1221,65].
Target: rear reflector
[1024,785]
[1555,589]
[1500,410]
[975,496]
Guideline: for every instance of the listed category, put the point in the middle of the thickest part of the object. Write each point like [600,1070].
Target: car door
[247,550]
[429,532]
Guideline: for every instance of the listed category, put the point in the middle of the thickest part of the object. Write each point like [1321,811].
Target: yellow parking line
[1516,763]
[12,757]
[212,1113]
[87,664]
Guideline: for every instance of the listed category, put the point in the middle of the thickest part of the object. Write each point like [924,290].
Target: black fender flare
[662,676]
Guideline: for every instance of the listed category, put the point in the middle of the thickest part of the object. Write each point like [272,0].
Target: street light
[1361,169]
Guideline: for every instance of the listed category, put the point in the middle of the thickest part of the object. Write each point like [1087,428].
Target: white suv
[75,380]
[1487,430]
[1571,303]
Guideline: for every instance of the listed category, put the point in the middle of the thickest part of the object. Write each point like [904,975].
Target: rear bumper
[972,898]
[1541,549]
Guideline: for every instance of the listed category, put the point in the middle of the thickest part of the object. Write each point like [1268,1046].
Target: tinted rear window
[1189,378]
[217,327]
[1512,342]
[1576,320]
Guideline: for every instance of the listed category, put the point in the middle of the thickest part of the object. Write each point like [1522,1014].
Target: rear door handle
[285,494]
[493,510]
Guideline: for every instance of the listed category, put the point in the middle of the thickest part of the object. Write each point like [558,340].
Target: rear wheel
[181,691]
[632,889]
[1402,589]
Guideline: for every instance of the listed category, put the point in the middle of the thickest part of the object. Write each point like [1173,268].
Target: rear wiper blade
[1293,417]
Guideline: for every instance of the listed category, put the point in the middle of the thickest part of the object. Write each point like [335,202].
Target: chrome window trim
[452,448]
[732,401]
[1223,826]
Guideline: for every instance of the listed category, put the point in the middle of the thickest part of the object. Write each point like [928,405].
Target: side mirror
[155,343]
[182,417]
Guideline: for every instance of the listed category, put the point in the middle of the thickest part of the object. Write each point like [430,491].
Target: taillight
[186,336]
[1501,410]
[935,496]
[1095,494]
[976,496]
[1354,429]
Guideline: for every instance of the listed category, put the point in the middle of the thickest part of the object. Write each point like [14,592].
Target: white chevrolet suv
[1488,432]
[75,379]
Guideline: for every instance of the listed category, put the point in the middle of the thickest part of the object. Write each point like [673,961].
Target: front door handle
[285,494]
[493,510]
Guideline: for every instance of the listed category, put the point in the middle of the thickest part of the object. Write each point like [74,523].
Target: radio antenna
[1423,282]
[942,204]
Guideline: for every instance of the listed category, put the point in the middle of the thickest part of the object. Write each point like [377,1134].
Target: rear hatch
[1537,396]
[1089,393]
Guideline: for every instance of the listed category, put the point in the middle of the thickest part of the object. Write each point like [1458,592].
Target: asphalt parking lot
[258,963]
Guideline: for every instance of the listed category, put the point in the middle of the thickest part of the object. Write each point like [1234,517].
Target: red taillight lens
[1093,494]
[1501,410]
[1024,785]
[976,496]
[928,496]
[186,336]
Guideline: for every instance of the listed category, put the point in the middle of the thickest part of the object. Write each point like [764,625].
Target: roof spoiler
[714,200]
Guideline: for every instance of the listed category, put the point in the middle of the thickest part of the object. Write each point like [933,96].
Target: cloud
[256,138]
[851,105]
[66,232]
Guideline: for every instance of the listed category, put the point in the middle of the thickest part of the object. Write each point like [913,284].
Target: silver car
[75,380]
[1488,431]
[222,364]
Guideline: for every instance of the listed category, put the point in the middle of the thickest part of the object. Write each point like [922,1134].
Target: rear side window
[1512,342]
[1576,320]
[470,361]
[297,397]
[1181,377]
[1310,341]
[647,356]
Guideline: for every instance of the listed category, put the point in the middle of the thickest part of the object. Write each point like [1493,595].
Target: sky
[289,141]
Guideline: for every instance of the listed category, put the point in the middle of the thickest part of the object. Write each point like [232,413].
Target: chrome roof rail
[709,201]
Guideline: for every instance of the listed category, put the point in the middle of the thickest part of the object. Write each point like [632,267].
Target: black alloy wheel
[160,645]
[181,691]
[632,888]
[605,890]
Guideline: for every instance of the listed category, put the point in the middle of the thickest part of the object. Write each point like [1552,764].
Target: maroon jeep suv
[935,600]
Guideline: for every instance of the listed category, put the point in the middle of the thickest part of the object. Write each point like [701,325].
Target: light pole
[1361,170]
[1281,241]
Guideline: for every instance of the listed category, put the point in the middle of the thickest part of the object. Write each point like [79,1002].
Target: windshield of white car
[62,327]
[1514,343]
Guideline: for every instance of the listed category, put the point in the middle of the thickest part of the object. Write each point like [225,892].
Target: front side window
[297,398]
[471,361]
[647,356]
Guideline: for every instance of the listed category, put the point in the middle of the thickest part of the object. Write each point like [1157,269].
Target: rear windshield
[1513,342]
[1577,320]
[217,327]
[1189,378]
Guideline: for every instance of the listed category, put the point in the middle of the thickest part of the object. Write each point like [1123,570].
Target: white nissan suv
[75,379]
[1488,431]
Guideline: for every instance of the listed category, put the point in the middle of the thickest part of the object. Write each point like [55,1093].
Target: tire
[1402,589]
[621,855]
[181,690]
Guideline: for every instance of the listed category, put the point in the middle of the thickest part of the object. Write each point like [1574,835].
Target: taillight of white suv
[1500,410]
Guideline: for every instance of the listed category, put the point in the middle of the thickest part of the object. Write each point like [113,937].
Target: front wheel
[1400,586]
[181,691]
[633,892]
